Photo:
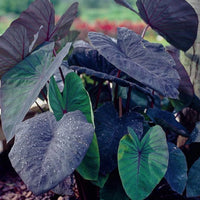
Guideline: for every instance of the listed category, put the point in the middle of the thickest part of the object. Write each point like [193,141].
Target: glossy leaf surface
[176,174]
[145,62]
[110,129]
[22,84]
[167,120]
[45,151]
[142,164]
[193,185]
[14,47]
[176,20]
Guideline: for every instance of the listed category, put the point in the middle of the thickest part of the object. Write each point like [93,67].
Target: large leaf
[110,129]
[176,174]
[142,164]
[64,23]
[113,188]
[193,184]
[167,120]
[176,20]
[39,13]
[41,16]
[22,84]
[45,151]
[143,61]
[14,47]
[125,4]
[186,90]
[75,97]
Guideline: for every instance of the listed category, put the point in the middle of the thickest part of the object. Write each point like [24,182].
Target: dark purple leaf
[145,62]
[175,20]
[41,16]
[186,90]
[125,4]
[40,13]
[167,120]
[109,130]
[63,25]
[14,46]
[185,85]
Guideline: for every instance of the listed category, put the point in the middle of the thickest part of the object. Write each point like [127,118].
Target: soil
[13,188]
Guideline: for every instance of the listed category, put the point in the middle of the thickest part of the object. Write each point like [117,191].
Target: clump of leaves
[111,122]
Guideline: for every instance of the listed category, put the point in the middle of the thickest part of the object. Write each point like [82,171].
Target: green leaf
[22,84]
[142,164]
[100,182]
[113,189]
[56,99]
[75,97]
[45,151]
[193,184]
[176,174]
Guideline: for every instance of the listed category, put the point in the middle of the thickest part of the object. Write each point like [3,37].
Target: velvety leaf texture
[193,185]
[41,16]
[39,13]
[186,90]
[175,20]
[195,135]
[125,4]
[22,84]
[14,47]
[176,174]
[167,120]
[110,129]
[145,62]
[142,164]
[45,151]
[64,23]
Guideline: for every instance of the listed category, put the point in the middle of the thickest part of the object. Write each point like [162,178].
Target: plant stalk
[144,31]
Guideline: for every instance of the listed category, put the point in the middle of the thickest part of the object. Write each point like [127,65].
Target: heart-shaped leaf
[22,84]
[45,152]
[143,61]
[110,129]
[75,97]
[193,185]
[14,47]
[142,164]
[41,13]
[167,120]
[176,20]
[176,174]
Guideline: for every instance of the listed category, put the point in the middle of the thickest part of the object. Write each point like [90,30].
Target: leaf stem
[144,31]
[116,89]
[60,70]
[128,99]
[44,96]
[39,106]
[98,95]
[120,107]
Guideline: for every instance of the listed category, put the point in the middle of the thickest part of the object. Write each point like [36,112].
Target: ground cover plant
[113,103]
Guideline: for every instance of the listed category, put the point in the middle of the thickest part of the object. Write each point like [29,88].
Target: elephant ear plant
[112,120]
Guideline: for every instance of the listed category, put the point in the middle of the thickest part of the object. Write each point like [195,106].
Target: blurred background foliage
[94,15]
